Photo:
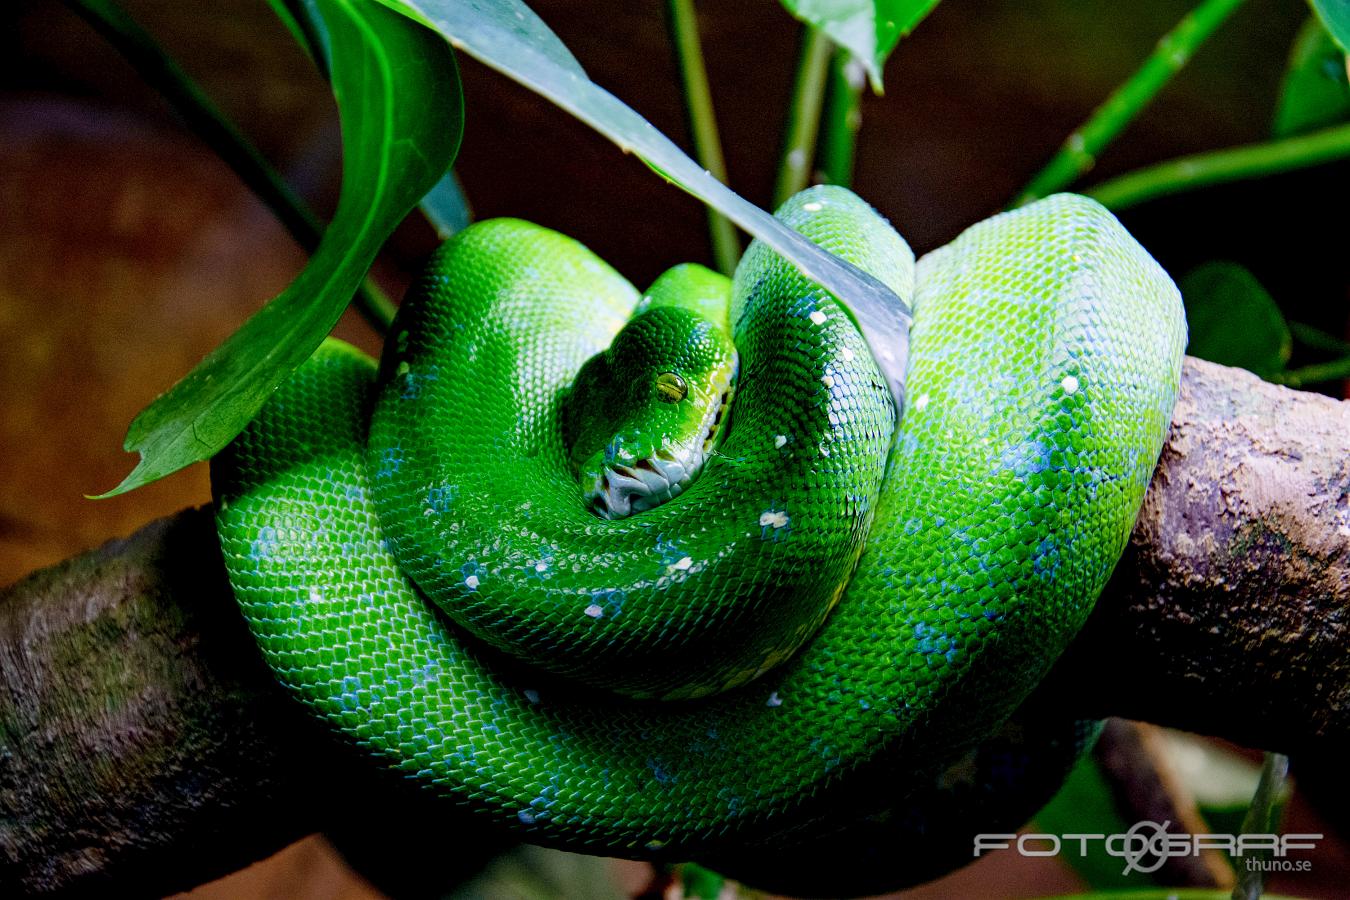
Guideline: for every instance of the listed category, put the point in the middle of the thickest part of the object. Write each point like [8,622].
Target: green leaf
[398,94]
[444,206]
[1315,93]
[1335,15]
[1233,320]
[507,36]
[1086,805]
[869,29]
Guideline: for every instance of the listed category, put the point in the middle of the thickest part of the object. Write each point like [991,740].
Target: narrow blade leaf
[869,29]
[398,94]
[446,208]
[507,36]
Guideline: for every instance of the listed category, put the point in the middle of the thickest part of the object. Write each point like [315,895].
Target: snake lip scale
[636,484]
[828,642]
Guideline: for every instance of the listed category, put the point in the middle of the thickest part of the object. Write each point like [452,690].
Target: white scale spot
[541,566]
[526,817]
[471,582]
[774,700]
[1070,384]
[682,564]
[817,317]
[846,354]
[812,207]
[779,441]
[797,158]
[774,518]
[315,596]
[595,611]
[921,402]
[827,380]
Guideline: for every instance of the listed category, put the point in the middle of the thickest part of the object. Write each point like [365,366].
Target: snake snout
[619,490]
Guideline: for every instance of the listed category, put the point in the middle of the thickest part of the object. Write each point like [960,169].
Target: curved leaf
[394,151]
[509,37]
[1316,92]
[869,29]
[1336,16]
[1233,320]
[444,206]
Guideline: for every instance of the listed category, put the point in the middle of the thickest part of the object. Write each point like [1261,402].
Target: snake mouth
[622,489]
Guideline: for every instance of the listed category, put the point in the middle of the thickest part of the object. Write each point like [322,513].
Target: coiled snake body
[829,625]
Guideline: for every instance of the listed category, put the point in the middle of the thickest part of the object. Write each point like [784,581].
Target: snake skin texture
[417,564]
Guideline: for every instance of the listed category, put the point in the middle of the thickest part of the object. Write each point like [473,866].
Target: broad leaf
[869,29]
[444,205]
[1233,320]
[1316,93]
[398,94]
[509,37]
[1336,16]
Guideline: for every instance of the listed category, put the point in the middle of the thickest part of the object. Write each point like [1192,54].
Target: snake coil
[383,527]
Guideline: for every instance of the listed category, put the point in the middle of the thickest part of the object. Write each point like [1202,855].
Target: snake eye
[671,388]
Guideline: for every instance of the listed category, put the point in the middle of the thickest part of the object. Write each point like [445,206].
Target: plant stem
[808,95]
[1080,150]
[1315,373]
[1318,339]
[1218,166]
[1260,819]
[843,117]
[726,246]
[201,115]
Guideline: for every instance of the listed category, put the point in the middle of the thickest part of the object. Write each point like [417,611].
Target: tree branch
[1229,614]
[142,741]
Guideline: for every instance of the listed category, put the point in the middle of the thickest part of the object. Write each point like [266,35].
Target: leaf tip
[144,473]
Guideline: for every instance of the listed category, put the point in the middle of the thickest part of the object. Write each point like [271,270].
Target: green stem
[1315,373]
[1218,166]
[808,96]
[210,124]
[1318,339]
[1080,151]
[1260,819]
[726,245]
[843,117]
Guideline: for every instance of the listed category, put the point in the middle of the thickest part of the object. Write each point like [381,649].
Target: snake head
[643,415]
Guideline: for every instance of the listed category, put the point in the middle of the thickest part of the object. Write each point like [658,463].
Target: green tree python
[666,574]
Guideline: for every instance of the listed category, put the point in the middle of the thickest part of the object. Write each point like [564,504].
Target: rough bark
[1229,613]
[143,742]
